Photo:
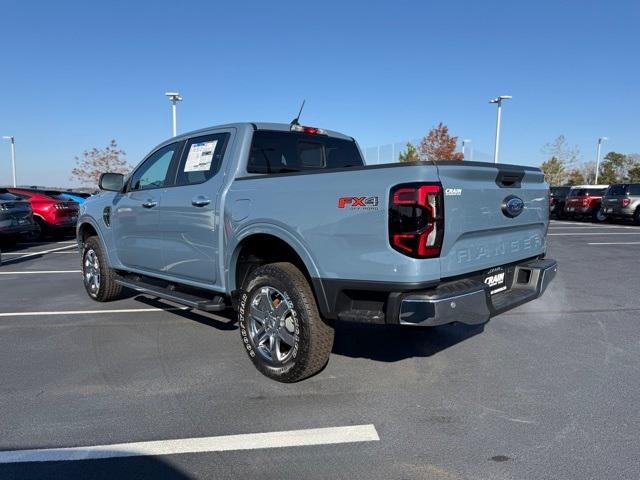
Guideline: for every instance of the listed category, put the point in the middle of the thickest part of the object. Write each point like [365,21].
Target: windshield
[559,191]
[587,192]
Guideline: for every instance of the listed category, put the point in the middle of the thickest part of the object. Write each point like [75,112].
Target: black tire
[636,216]
[598,215]
[310,339]
[41,232]
[106,288]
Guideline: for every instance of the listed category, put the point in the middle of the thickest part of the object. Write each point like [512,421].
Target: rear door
[494,215]
[135,213]
[188,219]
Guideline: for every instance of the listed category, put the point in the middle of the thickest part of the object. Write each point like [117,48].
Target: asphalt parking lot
[548,390]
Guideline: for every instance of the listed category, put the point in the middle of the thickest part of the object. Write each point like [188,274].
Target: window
[154,172]
[281,152]
[587,192]
[4,195]
[634,189]
[619,189]
[201,158]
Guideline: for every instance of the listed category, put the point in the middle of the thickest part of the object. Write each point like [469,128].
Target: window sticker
[200,156]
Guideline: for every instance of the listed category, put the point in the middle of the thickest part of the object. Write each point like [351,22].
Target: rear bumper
[15,230]
[469,301]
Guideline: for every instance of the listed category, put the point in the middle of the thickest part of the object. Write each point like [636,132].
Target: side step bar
[215,304]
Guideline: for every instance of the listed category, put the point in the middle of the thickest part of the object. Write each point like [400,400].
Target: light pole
[464,142]
[175,98]
[600,140]
[498,101]
[13,156]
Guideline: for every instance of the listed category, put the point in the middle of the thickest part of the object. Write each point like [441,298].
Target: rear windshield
[560,190]
[281,152]
[4,195]
[620,189]
[587,192]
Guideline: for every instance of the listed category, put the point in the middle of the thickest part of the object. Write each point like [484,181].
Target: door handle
[149,203]
[200,201]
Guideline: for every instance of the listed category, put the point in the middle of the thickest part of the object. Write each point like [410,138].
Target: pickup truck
[287,225]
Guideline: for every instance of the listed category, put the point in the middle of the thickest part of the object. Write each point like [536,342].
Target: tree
[410,155]
[633,175]
[554,171]
[439,145]
[620,164]
[607,174]
[562,157]
[97,161]
[575,177]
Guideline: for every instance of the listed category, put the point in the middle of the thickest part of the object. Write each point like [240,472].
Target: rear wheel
[636,216]
[97,276]
[598,215]
[280,326]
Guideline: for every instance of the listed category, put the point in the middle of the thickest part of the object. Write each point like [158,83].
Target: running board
[214,304]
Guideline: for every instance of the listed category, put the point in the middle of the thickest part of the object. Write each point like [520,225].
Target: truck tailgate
[481,230]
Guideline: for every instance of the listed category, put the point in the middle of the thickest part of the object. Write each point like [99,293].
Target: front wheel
[97,276]
[280,326]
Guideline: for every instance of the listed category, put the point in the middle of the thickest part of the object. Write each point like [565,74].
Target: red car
[585,201]
[54,213]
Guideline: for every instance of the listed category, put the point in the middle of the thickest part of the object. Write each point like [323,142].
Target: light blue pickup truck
[287,225]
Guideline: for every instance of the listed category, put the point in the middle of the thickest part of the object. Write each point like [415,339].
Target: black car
[557,195]
[16,218]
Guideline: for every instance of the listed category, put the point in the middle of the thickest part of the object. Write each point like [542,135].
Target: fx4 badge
[359,203]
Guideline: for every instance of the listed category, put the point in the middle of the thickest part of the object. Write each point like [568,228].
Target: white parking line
[613,243]
[594,227]
[250,441]
[38,244]
[30,272]
[91,312]
[43,252]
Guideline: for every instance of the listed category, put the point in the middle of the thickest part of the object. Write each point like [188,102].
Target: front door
[135,213]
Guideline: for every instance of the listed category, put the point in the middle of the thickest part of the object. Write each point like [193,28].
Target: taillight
[416,219]
[626,202]
[585,202]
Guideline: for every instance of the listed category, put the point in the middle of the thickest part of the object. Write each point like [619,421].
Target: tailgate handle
[509,179]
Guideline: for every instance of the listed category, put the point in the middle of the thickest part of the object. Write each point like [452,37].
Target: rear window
[560,190]
[587,192]
[282,152]
[634,189]
[4,195]
[621,189]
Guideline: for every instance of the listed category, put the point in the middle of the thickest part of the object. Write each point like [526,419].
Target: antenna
[295,120]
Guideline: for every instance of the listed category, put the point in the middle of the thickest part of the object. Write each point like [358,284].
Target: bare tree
[97,161]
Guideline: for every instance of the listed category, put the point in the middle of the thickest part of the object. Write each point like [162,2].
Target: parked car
[288,225]
[622,201]
[16,218]
[585,201]
[54,213]
[557,197]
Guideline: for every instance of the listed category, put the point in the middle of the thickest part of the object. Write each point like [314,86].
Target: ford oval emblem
[512,206]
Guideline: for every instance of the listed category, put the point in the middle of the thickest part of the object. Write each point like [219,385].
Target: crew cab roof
[280,127]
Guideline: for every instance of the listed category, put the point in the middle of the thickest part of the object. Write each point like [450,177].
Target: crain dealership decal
[453,192]
[358,203]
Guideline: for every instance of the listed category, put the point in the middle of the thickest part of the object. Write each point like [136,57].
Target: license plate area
[495,279]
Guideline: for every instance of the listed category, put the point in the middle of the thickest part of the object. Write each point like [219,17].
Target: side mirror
[112,182]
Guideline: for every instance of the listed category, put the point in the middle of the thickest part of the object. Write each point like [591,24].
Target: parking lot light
[498,101]
[13,156]
[600,140]
[174,97]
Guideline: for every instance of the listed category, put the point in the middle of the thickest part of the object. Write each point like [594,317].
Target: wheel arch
[259,247]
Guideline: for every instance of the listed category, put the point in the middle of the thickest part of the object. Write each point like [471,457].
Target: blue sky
[74,75]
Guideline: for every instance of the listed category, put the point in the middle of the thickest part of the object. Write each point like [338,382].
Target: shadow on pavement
[107,469]
[393,343]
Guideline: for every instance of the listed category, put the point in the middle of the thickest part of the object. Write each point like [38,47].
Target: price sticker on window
[200,156]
